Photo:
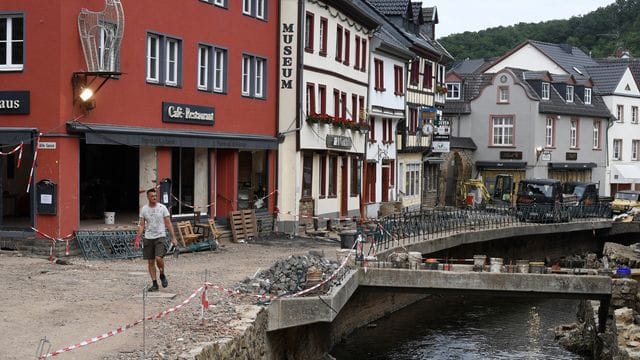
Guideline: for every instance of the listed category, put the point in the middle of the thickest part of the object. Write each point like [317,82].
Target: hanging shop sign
[338,142]
[14,102]
[190,114]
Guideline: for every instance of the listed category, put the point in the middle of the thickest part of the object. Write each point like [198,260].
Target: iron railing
[408,227]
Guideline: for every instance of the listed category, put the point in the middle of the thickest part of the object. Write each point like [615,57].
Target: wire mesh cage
[101,36]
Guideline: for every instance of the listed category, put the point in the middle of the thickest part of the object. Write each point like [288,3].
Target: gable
[627,85]
[527,57]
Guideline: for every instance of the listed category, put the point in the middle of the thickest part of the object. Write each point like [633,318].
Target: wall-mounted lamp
[83,89]
[539,151]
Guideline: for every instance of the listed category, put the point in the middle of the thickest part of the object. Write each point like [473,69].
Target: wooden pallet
[243,225]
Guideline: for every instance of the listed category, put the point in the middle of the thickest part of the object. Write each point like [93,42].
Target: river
[446,327]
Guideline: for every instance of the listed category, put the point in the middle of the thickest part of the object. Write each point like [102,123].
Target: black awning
[136,136]
[571,166]
[501,164]
[14,136]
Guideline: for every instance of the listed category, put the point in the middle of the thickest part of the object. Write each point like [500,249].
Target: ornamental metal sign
[14,103]
[190,114]
[338,142]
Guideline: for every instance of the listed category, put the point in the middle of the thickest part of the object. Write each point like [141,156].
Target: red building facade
[189,98]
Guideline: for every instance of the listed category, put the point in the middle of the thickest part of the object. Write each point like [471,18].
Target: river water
[446,327]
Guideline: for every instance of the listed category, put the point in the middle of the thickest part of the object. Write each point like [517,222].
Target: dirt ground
[68,304]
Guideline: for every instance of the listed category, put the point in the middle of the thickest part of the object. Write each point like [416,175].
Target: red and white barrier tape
[33,164]
[345,218]
[121,329]
[331,277]
[17,148]
[191,206]
[64,239]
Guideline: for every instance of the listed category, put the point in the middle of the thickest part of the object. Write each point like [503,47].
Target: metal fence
[409,227]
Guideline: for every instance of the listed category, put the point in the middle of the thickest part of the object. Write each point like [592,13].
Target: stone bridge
[287,313]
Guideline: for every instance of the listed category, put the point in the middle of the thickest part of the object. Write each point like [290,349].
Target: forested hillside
[600,32]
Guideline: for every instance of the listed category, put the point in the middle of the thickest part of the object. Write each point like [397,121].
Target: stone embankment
[621,339]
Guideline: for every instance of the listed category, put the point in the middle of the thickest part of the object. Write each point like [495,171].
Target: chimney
[567,48]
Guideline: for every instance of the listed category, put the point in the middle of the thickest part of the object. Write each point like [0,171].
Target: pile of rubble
[290,275]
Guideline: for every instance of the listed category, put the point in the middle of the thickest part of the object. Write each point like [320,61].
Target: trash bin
[347,239]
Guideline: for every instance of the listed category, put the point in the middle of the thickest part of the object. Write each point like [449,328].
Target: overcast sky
[457,16]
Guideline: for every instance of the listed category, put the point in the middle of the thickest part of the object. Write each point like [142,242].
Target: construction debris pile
[290,276]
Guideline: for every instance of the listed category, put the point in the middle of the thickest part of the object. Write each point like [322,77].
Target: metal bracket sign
[338,142]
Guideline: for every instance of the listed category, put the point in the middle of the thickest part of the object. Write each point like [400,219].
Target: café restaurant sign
[14,102]
[190,114]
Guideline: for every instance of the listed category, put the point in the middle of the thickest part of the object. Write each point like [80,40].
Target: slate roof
[566,56]
[430,14]
[634,65]
[462,143]
[390,7]
[472,85]
[387,32]
[607,77]
[469,66]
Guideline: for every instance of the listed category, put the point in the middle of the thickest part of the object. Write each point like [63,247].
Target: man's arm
[169,225]
[136,243]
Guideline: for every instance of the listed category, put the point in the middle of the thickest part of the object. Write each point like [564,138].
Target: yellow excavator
[473,192]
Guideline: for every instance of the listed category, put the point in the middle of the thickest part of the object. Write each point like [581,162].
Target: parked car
[585,199]
[624,200]
[541,200]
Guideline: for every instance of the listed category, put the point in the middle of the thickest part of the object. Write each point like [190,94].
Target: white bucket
[496,265]
[109,217]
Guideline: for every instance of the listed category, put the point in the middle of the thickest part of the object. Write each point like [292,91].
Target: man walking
[154,220]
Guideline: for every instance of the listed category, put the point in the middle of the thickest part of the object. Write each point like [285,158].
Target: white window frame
[260,9]
[503,94]
[153,58]
[453,91]
[219,74]
[587,96]
[204,53]
[549,131]
[620,112]
[616,153]
[569,93]
[258,90]
[220,2]
[635,146]
[502,130]
[546,90]
[596,134]
[246,75]
[246,7]
[254,76]
[9,41]
[634,114]
[573,134]
[412,180]
[172,61]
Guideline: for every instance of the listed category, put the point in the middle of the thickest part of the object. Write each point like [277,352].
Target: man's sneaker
[152,288]
[163,280]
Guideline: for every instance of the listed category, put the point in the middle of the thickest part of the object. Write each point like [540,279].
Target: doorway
[183,175]
[344,193]
[108,180]
[16,210]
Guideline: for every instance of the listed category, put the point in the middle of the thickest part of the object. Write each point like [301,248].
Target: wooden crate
[243,225]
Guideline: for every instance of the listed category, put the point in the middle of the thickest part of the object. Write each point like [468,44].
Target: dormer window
[545,90]
[453,91]
[587,96]
[569,93]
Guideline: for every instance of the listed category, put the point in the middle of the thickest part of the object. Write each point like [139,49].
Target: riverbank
[70,303]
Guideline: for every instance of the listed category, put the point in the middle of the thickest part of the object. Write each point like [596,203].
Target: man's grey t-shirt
[154,220]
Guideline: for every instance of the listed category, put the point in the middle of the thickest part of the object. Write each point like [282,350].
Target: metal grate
[101,36]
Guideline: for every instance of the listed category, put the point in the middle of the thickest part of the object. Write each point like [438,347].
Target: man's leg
[152,268]
[163,278]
